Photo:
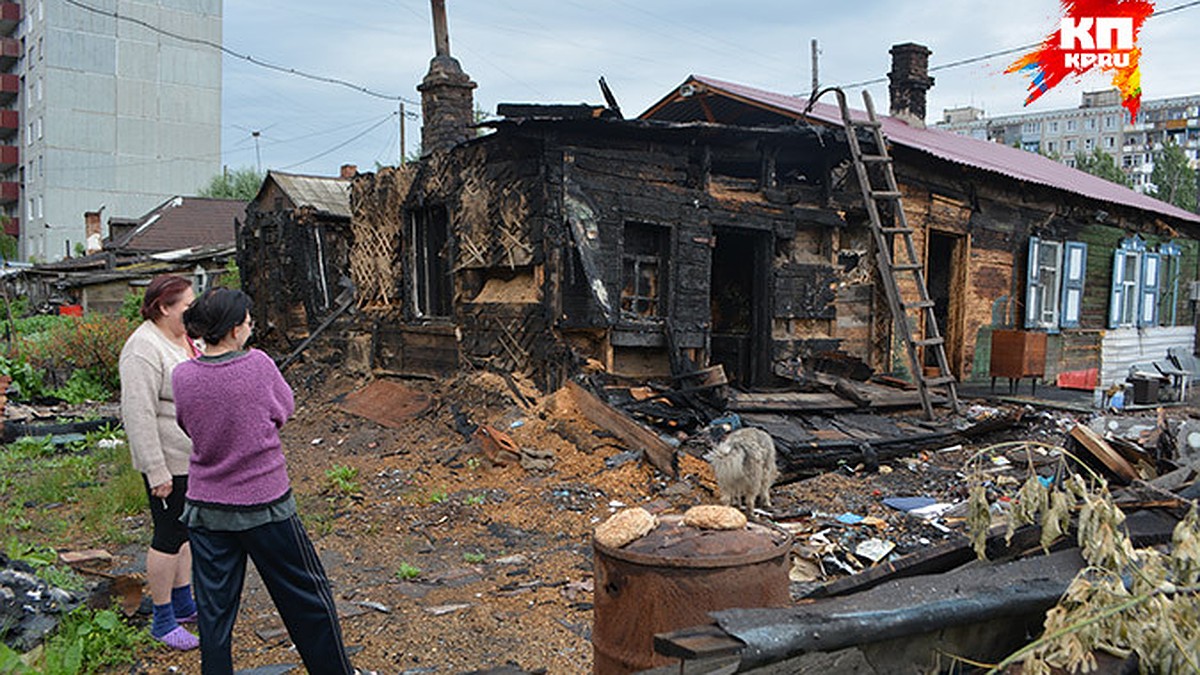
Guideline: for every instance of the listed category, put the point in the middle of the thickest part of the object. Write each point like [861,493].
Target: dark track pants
[288,564]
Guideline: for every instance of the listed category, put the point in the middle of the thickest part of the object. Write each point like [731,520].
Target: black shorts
[169,531]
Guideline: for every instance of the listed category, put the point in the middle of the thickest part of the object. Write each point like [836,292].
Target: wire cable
[246,57]
[1003,52]
[343,144]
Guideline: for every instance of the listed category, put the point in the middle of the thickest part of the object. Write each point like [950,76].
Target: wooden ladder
[900,260]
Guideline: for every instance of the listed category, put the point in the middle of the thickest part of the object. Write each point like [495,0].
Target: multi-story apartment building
[102,108]
[1099,122]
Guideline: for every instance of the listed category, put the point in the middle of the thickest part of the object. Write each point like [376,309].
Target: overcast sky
[553,51]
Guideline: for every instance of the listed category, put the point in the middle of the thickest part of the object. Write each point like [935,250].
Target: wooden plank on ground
[658,452]
[796,401]
[1104,452]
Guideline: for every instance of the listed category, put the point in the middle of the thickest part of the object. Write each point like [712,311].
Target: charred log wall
[294,264]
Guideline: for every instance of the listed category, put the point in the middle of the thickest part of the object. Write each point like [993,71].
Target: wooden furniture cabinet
[1017,354]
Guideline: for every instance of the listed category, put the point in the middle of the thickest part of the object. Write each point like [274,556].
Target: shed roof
[183,222]
[694,100]
[326,194]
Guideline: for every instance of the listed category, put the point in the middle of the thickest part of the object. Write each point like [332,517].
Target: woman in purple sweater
[232,402]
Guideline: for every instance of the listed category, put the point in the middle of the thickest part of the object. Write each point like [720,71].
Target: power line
[1003,52]
[246,57]
[345,143]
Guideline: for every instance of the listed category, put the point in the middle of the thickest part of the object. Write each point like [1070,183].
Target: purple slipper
[179,639]
[190,618]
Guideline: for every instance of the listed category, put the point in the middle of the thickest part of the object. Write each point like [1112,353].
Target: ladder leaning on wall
[900,259]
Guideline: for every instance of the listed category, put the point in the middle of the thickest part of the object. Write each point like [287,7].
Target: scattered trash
[849,519]
[441,610]
[931,511]
[377,606]
[908,503]
[622,458]
[874,549]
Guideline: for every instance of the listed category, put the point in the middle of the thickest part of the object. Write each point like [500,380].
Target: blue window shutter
[1148,288]
[1032,285]
[1074,270]
[1115,294]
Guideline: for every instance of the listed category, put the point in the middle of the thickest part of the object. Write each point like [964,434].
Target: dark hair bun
[215,313]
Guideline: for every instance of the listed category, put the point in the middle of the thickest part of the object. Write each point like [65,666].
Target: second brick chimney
[91,228]
[909,80]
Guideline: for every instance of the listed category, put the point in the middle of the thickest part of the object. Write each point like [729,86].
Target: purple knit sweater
[232,410]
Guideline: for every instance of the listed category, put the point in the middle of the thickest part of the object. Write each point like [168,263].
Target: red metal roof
[985,155]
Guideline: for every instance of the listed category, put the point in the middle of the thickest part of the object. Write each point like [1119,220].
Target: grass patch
[474,558]
[343,479]
[408,572]
[92,483]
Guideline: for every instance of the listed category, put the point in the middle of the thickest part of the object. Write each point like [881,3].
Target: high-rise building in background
[1099,122]
[102,109]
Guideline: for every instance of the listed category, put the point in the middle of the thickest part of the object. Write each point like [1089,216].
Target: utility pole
[816,81]
[257,155]
[401,133]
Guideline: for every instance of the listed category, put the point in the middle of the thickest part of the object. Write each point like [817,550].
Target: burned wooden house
[293,253]
[1083,276]
[569,237]
[725,227]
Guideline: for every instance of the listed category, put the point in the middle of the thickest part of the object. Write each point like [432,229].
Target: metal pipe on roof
[441,34]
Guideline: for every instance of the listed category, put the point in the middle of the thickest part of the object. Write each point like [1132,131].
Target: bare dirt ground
[499,556]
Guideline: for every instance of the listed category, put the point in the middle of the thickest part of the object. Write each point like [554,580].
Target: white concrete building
[111,111]
[1099,122]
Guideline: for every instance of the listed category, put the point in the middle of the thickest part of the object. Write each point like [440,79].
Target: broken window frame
[636,257]
[429,256]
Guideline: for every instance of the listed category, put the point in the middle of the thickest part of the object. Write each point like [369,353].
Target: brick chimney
[91,228]
[349,171]
[447,104]
[909,81]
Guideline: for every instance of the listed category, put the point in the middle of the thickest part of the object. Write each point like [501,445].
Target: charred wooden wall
[538,218]
[703,194]
[294,263]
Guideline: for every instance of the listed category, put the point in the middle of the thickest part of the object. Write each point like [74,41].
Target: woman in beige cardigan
[160,450]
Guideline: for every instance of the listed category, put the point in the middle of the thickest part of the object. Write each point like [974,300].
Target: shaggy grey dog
[744,464]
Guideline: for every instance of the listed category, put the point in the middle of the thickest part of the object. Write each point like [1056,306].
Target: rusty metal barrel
[672,578]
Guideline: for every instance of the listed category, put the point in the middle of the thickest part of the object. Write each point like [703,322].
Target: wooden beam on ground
[1104,452]
[632,434]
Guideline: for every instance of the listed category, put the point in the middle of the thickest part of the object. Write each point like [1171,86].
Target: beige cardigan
[158,446]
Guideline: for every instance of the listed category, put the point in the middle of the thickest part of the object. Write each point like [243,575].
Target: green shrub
[131,306]
[90,641]
[81,387]
[92,343]
[232,277]
[26,379]
[31,326]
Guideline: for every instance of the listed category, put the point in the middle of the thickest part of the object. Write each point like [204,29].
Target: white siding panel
[1123,347]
